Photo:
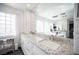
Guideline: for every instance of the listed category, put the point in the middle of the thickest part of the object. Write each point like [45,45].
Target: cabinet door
[76,43]
[27,48]
[76,26]
[76,40]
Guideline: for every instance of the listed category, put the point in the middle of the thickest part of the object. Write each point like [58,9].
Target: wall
[76,29]
[29,22]
[19,17]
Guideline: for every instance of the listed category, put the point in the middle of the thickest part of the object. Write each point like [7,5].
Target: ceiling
[23,6]
[55,9]
[47,10]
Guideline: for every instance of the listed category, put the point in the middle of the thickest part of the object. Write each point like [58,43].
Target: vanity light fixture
[55,16]
[62,13]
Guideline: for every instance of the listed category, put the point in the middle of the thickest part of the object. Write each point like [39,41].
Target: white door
[76,43]
[76,26]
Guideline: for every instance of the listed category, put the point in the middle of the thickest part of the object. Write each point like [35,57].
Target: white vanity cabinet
[29,47]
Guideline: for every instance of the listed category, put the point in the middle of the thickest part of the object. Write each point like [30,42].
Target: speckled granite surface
[66,45]
[57,46]
[54,45]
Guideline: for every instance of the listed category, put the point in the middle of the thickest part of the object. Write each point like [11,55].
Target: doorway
[71,29]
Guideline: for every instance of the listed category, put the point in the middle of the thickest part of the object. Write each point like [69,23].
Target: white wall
[19,17]
[29,22]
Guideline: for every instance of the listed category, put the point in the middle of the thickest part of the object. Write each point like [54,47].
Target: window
[43,27]
[46,27]
[39,26]
[7,24]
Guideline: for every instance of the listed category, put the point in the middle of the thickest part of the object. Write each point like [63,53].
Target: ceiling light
[28,5]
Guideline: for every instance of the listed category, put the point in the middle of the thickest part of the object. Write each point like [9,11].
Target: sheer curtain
[7,24]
